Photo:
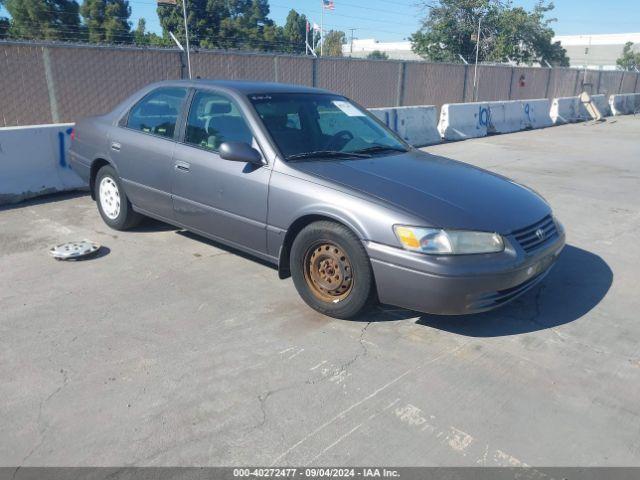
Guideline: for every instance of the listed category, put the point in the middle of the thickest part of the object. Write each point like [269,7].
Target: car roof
[246,87]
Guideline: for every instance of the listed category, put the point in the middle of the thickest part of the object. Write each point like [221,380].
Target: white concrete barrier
[417,125]
[459,121]
[535,113]
[624,103]
[34,161]
[567,110]
[505,116]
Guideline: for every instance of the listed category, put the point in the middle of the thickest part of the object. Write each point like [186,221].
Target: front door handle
[115,146]
[182,166]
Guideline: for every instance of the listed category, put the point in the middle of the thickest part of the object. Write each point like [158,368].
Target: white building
[361,48]
[597,51]
[593,51]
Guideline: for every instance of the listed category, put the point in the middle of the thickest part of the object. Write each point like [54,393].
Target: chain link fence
[51,83]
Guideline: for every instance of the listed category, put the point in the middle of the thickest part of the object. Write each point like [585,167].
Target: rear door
[142,148]
[221,198]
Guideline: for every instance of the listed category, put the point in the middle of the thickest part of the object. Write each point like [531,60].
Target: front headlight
[448,242]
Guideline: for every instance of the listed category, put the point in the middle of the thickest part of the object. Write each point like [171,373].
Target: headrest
[152,109]
[213,108]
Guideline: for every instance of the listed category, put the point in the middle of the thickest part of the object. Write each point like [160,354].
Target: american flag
[328,4]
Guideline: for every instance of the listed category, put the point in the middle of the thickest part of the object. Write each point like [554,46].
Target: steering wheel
[339,140]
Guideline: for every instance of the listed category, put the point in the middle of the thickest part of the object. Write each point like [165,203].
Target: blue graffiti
[527,110]
[484,116]
[61,148]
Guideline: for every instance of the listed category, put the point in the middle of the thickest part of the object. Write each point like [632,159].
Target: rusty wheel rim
[328,272]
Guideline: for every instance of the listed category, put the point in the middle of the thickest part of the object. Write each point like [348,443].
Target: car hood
[444,192]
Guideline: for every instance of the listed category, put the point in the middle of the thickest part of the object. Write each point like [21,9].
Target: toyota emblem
[540,234]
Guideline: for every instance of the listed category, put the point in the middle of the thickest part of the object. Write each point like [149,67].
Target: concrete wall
[61,82]
[416,125]
[34,161]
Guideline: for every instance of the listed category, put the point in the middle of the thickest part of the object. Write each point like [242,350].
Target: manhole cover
[74,250]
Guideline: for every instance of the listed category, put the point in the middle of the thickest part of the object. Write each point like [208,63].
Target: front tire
[331,270]
[113,204]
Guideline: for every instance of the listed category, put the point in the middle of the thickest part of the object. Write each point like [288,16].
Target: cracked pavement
[169,349]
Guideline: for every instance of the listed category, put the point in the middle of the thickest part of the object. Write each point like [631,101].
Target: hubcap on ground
[328,272]
[109,197]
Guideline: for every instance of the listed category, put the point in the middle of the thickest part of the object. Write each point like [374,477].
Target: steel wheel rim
[328,272]
[109,198]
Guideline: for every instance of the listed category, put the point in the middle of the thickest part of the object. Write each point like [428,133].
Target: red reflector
[73,134]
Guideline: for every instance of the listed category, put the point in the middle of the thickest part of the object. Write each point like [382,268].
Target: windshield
[307,125]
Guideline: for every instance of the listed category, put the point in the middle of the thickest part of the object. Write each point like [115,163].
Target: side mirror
[240,152]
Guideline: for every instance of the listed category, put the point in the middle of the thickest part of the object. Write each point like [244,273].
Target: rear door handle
[182,166]
[115,146]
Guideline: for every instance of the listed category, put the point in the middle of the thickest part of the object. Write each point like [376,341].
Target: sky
[395,20]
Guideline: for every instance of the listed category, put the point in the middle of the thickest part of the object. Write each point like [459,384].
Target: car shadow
[578,283]
[148,224]
[226,248]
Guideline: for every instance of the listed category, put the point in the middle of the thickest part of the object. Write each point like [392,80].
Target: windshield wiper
[326,153]
[380,148]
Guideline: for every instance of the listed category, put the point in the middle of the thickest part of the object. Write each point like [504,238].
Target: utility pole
[351,42]
[321,28]
[475,69]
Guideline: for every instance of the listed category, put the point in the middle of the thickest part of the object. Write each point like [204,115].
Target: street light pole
[186,34]
[475,68]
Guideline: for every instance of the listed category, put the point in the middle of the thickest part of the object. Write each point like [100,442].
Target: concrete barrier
[34,161]
[417,125]
[624,103]
[459,121]
[567,110]
[505,117]
[601,103]
[536,113]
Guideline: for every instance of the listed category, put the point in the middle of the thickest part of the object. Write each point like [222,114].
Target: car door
[142,149]
[221,198]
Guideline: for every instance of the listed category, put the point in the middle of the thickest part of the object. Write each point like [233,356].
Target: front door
[142,149]
[221,198]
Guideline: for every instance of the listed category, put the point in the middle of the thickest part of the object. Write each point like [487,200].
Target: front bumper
[456,285]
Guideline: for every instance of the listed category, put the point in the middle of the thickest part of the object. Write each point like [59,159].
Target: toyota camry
[311,182]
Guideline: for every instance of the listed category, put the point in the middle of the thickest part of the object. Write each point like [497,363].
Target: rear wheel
[113,204]
[331,270]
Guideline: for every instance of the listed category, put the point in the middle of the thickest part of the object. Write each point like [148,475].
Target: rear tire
[113,204]
[331,270]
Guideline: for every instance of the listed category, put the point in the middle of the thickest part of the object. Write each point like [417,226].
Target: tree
[140,33]
[107,21]
[508,33]
[43,19]
[333,42]
[630,59]
[143,38]
[224,24]
[294,32]
[4,27]
[378,55]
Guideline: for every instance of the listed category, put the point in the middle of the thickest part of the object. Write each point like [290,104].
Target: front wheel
[331,270]
[113,204]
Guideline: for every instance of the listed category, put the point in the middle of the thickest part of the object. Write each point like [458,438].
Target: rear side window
[214,119]
[157,113]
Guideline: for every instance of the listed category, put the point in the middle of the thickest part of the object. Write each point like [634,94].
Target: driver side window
[214,119]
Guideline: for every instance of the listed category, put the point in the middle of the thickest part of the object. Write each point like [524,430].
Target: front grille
[534,236]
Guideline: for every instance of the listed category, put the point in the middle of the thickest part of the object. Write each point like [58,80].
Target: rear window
[157,113]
